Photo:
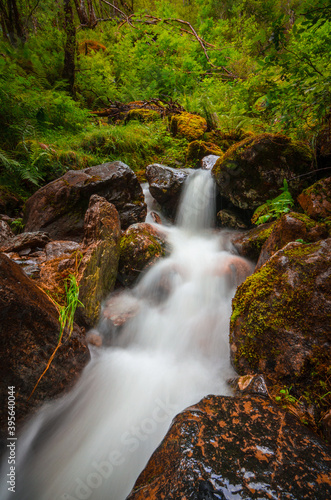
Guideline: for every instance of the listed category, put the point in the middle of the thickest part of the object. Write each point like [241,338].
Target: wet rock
[165,185]
[229,218]
[316,200]
[249,243]
[209,161]
[243,448]
[6,233]
[29,332]
[253,171]
[290,227]
[192,127]
[251,384]
[98,268]
[59,207]
[55,249]
[25,241]
[280,324]
[141,246]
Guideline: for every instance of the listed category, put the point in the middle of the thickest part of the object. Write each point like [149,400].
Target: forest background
[245,65]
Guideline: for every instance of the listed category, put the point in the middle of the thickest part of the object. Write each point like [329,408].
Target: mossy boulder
[227,138]
[316,200]
[281,321]
[196,150]
[99,265]
[143,115]
[252,171]
[249,243]
[192,127]
[291,227]
[141,246]
[236,448]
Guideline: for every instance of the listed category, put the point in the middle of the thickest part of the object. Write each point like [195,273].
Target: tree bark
[70,47]
[11,22]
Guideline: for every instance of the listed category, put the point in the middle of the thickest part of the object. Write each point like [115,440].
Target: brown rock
[249,243]
[290,227]
[59,207]
[243,448]
[316,200]
[29,331]
[141,245]
[55,249]
[98,268]
[26,240]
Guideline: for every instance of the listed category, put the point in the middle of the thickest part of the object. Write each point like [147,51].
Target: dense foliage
[252,64]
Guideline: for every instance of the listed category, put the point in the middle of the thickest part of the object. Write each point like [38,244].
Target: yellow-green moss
[192,127]
[196,150]
[143,115]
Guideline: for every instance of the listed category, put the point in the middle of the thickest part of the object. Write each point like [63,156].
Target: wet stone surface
[236,448]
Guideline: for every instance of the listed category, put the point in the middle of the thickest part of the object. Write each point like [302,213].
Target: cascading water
[94,442]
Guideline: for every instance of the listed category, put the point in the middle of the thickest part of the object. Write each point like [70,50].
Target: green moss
[196,150]
[143,115]
[190,126]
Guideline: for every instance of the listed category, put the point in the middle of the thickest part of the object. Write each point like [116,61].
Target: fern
[280,205]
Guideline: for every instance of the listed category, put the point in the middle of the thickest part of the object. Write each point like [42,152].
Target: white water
[94,442]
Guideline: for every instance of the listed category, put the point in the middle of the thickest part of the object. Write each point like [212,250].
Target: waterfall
[93,442]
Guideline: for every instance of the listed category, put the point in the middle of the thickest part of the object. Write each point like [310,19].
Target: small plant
[286,397]
[67,313]
[66,319]
[17,225]
[273,209]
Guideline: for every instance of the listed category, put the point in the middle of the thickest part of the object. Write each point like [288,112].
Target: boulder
[192,127]
[249,243]
[291,227]
[59,207]
[232,447]
[281,321]
[29,332]
[141,246]
[252,171]
[316,200]
[165,185]
[98,268]
[24,241]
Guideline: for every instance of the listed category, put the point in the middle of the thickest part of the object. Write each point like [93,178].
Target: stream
[93,442]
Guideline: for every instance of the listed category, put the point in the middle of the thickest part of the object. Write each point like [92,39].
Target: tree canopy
[263,65]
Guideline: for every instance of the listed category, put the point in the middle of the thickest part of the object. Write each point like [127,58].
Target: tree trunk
[70,47]
[11,22]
